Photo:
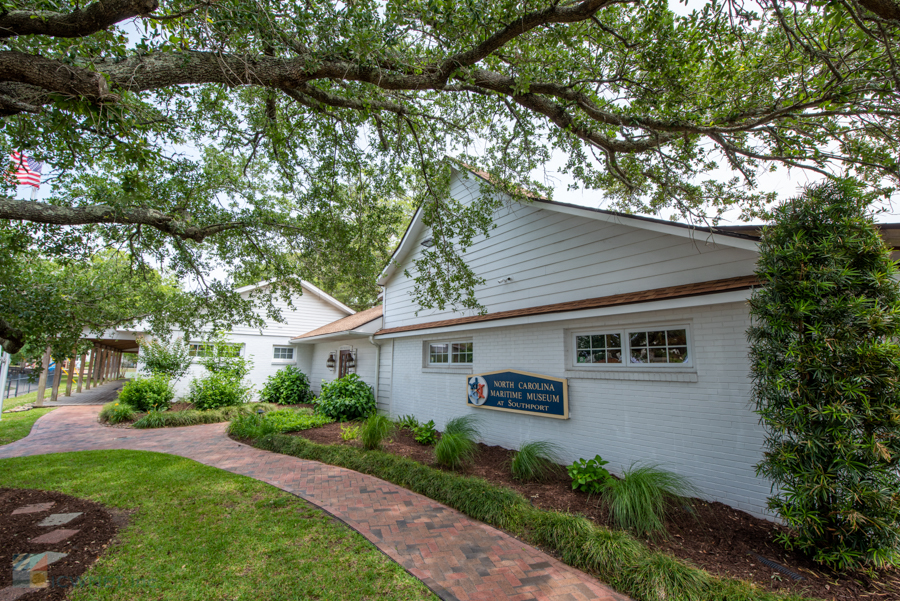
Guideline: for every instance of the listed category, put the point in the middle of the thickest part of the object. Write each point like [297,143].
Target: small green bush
[219,389]
[349,432]
[153,419]
[535,461]
[148,394]
[638,501]
[288,386]
[160,357]
[116,413]
[346,399]
[375,430]
[589,475]
[426,433]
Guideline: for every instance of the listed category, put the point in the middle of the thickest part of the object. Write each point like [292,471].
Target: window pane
[638,338]
[639,355]
[678,354]
[584,356]
[599,356]
[462,352]
[658,355]
[677,337]
[657,338]
[613,341]
[598,342]
[582,342]
[440,353]
[614,356]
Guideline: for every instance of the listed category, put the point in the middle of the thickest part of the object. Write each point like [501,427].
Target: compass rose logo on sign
[478,390]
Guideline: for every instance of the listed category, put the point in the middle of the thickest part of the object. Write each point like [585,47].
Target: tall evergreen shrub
[825,365]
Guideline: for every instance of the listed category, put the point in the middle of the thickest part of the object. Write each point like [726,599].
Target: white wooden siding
[309,312]
[554,257]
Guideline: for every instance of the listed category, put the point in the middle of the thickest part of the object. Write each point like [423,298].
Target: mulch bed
[97,526]
[718,538]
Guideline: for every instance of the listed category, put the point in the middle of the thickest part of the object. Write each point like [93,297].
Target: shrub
[147,394]
[116,413]
[535,461]
[162,358]
[349,432]
[375,430]
[408,422]
[589,475]
[153,419]
[637,502]
[217,390]
[426,433]
[825,365]
[223,357]
[346,399]
[288,386]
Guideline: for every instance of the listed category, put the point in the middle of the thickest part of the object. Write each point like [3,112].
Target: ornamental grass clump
[117,413]
[825,365]
[536,461]
[457,447]
[639,499]
[374,431]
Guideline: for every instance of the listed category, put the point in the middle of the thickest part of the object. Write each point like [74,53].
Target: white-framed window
[283,353]
[449,352]
[654,346]
[200,350]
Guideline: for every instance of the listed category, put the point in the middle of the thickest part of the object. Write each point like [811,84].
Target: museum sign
[519,392]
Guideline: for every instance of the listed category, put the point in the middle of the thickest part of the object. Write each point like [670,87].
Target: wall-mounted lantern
[330,363]
[351,361]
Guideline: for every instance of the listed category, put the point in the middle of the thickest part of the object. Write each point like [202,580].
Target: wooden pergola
[101,365]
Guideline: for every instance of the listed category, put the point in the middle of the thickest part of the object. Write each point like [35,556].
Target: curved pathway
[457,557]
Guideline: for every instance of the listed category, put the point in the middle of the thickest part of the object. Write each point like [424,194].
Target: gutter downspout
[377,363]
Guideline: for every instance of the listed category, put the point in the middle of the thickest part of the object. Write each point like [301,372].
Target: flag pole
[33,192]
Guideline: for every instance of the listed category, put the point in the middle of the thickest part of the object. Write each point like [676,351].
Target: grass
[374,431]
[197,532]
[457,444]
[637,502]
[119,412]
[614,556]
[535,461]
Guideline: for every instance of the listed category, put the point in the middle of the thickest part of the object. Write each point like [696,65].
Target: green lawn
[14,426]
[203,533]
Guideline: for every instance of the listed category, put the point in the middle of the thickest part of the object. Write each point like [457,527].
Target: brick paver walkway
[455,556]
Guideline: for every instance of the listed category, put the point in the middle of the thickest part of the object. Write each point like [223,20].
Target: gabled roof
[346,324]
[719,235]
[312,288]
[657,294]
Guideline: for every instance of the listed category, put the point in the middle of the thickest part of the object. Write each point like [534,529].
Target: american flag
[28,171]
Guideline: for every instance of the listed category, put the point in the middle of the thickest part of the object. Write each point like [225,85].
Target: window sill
[283,362]
[447,370]
[646,375]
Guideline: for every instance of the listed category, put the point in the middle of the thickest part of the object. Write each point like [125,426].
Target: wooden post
[42,380]
[101,365]
[71,373]
[91,365]
[57,378]
[118,364]
[107,373]
[81,371]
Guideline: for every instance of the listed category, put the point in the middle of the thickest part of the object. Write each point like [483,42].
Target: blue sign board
[519,392]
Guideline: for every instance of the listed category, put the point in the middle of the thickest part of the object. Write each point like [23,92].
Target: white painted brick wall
[705,430]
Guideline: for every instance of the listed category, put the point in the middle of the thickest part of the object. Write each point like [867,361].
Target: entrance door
[343,370]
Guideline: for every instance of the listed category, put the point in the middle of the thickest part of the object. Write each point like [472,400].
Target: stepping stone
[58,519]
[51,538]
[36,508]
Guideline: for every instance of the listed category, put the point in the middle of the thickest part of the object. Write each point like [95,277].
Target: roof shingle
[351,322]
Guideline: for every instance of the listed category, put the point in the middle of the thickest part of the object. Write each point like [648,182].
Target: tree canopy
[215,134]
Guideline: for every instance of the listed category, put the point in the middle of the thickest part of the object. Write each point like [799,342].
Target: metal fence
[19,382]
